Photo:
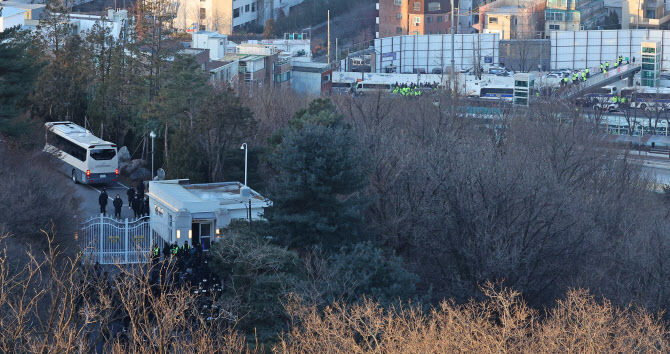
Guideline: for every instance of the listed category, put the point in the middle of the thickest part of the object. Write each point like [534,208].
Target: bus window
[103,154]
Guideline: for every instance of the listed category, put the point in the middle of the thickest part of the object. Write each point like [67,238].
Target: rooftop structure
[32,11]
[216,43]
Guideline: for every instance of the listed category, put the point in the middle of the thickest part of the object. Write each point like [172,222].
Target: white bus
[497,92]
[344,86]
[84,157]
[368,86]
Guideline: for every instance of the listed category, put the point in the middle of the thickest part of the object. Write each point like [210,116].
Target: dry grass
[501,324]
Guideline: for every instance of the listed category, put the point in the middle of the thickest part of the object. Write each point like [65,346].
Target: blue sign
[488,60]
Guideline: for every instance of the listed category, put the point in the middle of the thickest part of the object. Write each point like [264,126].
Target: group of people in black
[137,201]
[191,271]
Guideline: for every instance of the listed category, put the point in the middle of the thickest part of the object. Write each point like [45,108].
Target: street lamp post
[246,155]
[153,136]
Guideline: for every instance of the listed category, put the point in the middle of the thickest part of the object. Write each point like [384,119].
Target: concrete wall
[430,52]
[577,50]
[306,82]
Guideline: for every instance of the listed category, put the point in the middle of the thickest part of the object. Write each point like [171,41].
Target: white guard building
[181,211]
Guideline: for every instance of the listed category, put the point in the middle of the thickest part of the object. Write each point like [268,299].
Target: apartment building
[645,14]
[573,15]
[227,16]
[413,17]
[512,19]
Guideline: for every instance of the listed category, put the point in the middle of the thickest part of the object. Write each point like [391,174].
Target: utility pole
[337,53]
[329,36]
[453,61]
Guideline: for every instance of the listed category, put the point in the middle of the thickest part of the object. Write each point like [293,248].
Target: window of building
[253,7]
[203,28]
[236,12]
[398,16]
[555,27]
[398,30]
[439,19]
[417,6]
[651,14]
[417,20]
[247,8]
[397,2]
[439,32]
[433,6]
[493,20]
[203,13]
[429,19]
[430,32]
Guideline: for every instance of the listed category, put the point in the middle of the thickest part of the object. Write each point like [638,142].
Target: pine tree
[315,193]
[19,69]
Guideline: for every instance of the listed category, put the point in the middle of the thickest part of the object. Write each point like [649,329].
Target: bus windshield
[103,154]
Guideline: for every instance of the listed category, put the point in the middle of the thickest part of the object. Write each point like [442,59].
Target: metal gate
[109,241]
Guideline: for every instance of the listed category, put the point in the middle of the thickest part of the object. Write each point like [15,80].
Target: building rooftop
[212,34]
[20,5]
[181,194]
[11,11]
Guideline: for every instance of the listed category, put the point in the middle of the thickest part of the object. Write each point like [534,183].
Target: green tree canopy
[18,71]
[319,174]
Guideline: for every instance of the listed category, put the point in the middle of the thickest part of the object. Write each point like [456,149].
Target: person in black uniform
[137,204]
[140,189]
[102,201]
[118,203]
[131,194]
[145,207]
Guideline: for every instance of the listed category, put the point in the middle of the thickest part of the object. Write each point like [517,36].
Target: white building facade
[195,213]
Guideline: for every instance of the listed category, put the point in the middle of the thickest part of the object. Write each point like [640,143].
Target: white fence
[581,49]
[110,241]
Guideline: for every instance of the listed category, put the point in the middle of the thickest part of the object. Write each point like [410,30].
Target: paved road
[90,193]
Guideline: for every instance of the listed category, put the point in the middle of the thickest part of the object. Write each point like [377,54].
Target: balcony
[650,22]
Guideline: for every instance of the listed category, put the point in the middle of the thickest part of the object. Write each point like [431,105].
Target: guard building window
[493,20]
[417,6]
